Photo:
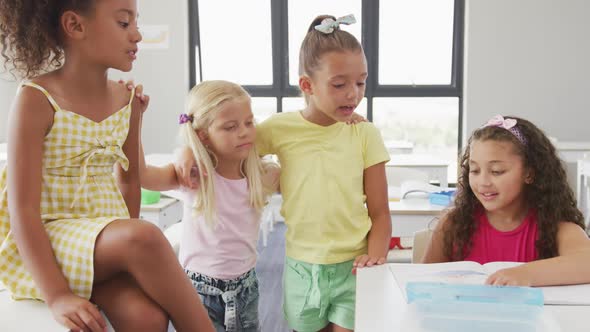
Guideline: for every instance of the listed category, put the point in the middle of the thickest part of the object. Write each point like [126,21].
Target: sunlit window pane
[293,104]
[431,125]
[236,41]
[263,108]
[302,12]
[415,42]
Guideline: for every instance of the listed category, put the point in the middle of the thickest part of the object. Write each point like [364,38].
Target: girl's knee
[147,317]
[144,236]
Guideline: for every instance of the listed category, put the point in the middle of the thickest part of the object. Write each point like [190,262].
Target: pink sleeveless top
[492,245]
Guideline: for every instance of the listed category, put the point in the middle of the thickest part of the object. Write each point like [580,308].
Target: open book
[474,273]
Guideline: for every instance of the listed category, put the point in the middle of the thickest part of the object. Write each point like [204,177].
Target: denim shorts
[232,304]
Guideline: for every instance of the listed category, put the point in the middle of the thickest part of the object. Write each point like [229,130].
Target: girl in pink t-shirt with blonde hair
[222,213]
[514,204]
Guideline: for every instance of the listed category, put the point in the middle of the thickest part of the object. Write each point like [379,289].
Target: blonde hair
[316,43]
[204,102]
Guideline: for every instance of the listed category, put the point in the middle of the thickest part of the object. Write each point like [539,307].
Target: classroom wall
[529,58]
[164,72]
[7,91]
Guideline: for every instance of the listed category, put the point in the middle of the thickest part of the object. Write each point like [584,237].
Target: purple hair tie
[508,124]
[184,118]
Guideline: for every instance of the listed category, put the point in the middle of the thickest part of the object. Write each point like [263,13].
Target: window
[413,48]
[415,42]
[228,49]
[404,120]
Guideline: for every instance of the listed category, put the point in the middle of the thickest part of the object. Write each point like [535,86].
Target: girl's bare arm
[30,120]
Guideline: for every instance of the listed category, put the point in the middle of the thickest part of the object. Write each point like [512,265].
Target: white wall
[163,72]
[7,92]
[529,58]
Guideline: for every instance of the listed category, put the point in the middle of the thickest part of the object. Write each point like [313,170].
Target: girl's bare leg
[140,249]
[128,308]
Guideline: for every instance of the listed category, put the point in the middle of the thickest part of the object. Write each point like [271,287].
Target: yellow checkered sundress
[79,197]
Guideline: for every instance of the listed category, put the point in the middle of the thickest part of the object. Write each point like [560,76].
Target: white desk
[380,305]
[412,214]
[436,168]
[28,315]
[399,147]
[571,152]
[163,214]
[583,188]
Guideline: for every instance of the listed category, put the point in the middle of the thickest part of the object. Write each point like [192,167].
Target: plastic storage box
[458,308]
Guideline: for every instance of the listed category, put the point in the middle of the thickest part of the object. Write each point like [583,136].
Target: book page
[450,273]
[492,267]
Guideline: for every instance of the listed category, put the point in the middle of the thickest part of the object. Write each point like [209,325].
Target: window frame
[280,88]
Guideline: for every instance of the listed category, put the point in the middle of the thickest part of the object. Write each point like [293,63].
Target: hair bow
[184,118]
[508,124]
[499,121]
[328,25]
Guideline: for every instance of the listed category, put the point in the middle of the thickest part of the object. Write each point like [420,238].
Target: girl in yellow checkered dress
[67,236]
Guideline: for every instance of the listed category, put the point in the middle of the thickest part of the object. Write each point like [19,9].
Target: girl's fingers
[90,321]
[65,321]
[93,310]
[363,261]
[357,260]
[80,326]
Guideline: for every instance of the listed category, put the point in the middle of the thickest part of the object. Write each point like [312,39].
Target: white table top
[26,316]
[381,306]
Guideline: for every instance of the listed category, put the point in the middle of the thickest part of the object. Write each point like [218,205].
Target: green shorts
[318,294]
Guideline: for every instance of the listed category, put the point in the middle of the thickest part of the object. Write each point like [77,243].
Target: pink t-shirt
[228,250]
[492,245]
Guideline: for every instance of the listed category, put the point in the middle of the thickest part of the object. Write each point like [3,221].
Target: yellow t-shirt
[322,184]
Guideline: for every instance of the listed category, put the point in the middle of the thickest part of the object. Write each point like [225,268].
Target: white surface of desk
[583,189]
[28,315]
[413,214]
[570,153]
[380,305]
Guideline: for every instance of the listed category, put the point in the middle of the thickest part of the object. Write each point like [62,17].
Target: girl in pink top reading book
[222,213]
[514,204]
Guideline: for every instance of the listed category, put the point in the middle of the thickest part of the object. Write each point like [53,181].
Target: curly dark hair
[30,36]
[549,193]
